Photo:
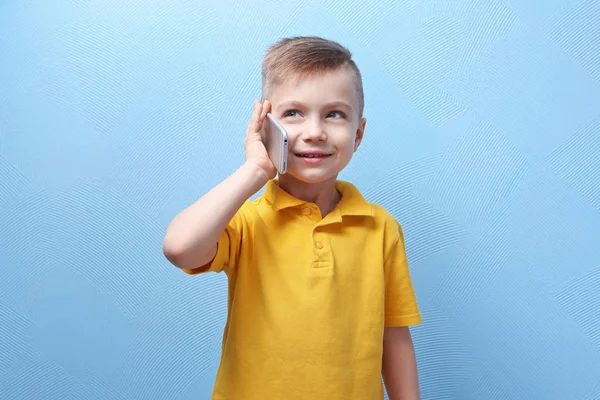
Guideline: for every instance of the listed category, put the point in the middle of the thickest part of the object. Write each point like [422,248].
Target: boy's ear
[360,133]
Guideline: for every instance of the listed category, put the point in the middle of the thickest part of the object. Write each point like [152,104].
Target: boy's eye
[291,113]
[336,114]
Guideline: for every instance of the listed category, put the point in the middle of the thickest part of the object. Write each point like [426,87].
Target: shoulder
[245,215]
[393,234]
[254,210]
[390,224]
[380,215]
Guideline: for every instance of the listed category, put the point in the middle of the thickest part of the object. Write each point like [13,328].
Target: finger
[266,108]
[258,108]
[254,121]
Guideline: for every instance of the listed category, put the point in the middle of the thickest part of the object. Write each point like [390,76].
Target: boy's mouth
[313,157]
[313,154]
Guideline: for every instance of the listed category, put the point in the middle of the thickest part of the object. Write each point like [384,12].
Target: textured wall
[483,139]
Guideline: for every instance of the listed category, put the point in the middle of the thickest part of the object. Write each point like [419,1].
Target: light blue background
[483,140]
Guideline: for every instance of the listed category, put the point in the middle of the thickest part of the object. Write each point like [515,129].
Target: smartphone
[275,139]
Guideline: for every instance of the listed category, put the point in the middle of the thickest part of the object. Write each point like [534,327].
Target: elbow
[184,257]
[172,252]
[178,256]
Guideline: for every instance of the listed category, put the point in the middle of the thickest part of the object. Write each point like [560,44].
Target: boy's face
[321,115]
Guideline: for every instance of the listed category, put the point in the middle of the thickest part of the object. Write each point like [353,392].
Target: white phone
[275,138]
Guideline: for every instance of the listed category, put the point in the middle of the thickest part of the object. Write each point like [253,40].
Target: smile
[312,157]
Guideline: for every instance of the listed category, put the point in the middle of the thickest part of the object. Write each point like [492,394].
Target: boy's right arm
[191,238]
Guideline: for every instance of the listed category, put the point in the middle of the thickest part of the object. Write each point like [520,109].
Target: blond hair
[301,56]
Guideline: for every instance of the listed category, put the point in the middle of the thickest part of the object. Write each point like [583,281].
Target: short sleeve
[228,246]
[401,307]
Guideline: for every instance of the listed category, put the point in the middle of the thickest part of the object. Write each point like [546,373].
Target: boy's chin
[311,178]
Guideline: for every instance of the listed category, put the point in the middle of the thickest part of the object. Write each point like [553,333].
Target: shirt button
[307,211]
[319,245]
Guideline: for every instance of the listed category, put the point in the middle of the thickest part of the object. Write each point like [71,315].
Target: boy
[320,297]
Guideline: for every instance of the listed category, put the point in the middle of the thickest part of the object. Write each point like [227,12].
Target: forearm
[191,237]
[399,367]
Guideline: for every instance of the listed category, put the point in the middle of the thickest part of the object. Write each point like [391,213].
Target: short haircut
[302,56]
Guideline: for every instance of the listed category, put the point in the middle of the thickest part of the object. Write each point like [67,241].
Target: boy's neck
[323,194]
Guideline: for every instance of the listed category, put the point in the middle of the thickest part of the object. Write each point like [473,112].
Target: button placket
[323,256]
[320,244]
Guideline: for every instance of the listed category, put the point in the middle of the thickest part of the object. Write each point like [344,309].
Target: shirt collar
[352,202]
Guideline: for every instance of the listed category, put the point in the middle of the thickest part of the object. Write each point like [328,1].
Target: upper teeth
[311,155]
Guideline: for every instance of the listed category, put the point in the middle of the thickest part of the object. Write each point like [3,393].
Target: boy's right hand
[256,152]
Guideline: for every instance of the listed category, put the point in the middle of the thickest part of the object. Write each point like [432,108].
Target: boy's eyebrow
[296,104]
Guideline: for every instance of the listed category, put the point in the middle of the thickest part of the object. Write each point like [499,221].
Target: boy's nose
[314,132]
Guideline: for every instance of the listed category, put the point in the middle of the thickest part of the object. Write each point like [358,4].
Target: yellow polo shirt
[309,298]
